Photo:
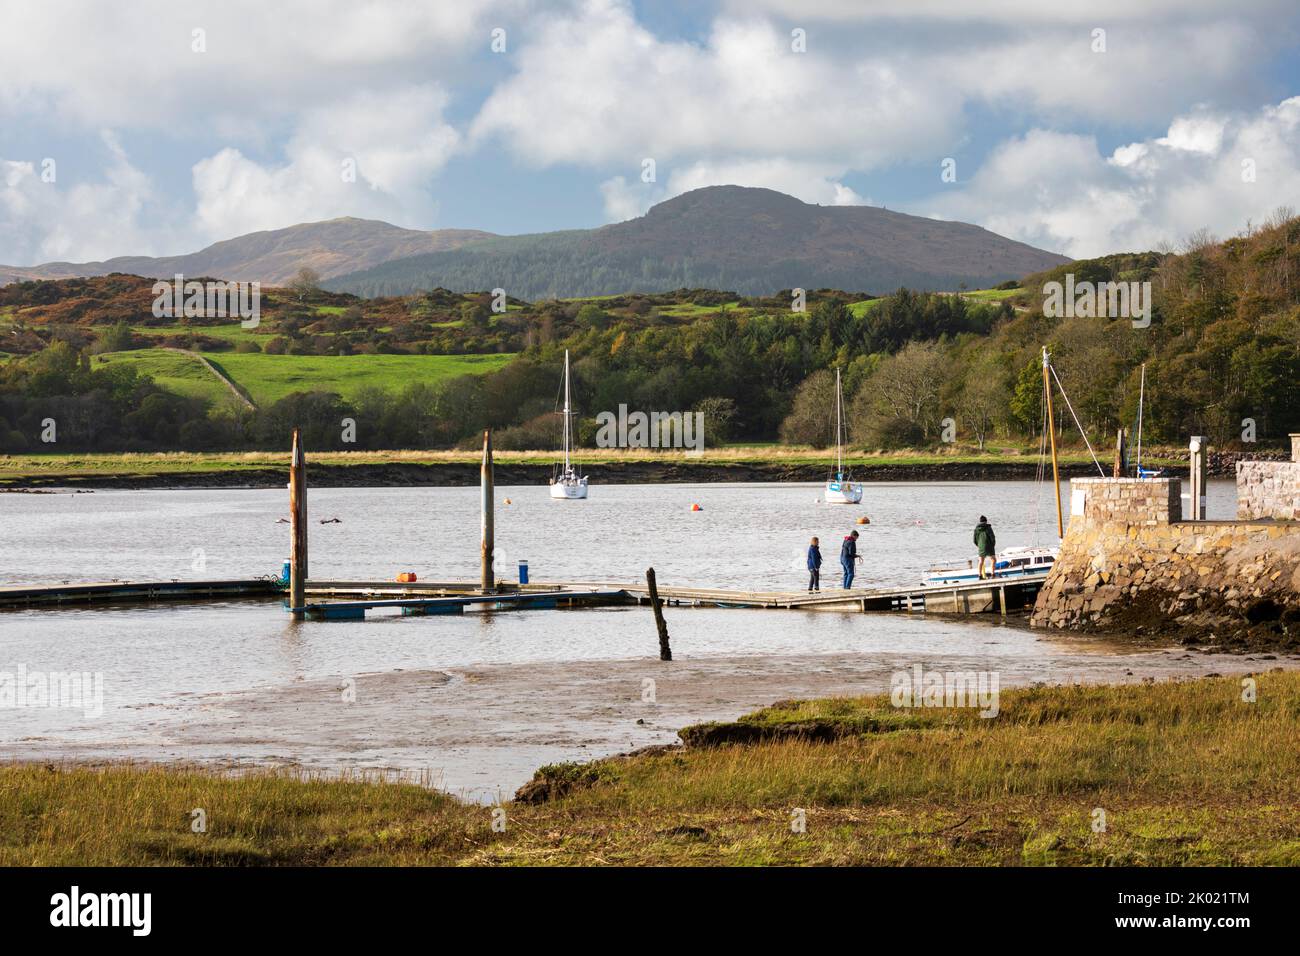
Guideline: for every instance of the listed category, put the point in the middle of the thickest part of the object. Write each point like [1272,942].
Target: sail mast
[1051,431]
[1142,391]
[839,428]
[566,411]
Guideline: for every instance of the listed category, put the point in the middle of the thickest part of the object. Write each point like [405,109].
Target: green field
[177,372]
[269,378]
[992,295]
[231,332]
[859,309]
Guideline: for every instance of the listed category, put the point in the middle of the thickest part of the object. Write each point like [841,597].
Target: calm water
[747,536]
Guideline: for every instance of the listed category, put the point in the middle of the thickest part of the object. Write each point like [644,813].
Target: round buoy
[864,520]
[696,508]
[507,501]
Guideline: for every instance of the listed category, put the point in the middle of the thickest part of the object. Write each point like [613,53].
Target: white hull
[843,493]
[570,488]
[1011,563]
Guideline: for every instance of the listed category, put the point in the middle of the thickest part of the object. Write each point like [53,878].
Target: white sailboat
[567,483]
[841,489]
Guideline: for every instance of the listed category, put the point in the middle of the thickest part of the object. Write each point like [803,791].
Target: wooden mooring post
[665,652]
[297,527]
[487,581]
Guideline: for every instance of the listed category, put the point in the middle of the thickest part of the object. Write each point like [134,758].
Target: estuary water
[475,702]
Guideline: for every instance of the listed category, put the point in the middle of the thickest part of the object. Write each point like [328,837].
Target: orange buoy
[696,508]
[507,501]
[406,577]
[864,520]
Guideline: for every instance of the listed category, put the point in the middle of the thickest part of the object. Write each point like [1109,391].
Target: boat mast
[566,411]
[839,428]
[1051,431]
[1142,391]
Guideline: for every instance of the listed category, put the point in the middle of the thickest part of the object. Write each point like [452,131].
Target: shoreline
[397,469]
[465,474]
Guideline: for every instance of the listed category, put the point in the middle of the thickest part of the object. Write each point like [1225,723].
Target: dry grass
[165,463]
[1187,773]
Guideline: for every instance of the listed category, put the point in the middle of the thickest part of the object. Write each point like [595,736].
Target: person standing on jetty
[986,541]
[849,555]
[814,566]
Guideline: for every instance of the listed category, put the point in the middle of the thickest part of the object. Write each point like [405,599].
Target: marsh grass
[1188,773]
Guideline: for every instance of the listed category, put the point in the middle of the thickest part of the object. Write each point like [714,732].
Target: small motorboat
[1011,563]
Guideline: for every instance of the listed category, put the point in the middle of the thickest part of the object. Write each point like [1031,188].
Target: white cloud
[599,88]
[1058,191]
[397,141]
[43,221]
[1014,12]
[98,64]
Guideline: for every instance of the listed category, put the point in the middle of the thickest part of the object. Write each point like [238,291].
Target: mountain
[332,248]
[752,241]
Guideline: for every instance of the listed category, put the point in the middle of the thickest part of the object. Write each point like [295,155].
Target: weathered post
[486,579]
[1121,453]
[297,528]
[1199,448]
[665,652]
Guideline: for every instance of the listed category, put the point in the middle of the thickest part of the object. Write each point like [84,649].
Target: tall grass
[1184,773]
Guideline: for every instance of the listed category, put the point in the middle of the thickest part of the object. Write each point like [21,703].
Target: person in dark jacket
[814,566]
[848,556]
[987,543]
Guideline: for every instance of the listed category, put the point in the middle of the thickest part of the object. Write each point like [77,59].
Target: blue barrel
[523,572]
[284,572]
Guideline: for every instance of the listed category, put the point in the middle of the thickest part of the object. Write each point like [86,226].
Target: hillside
[1220,354]
[332,248]
[755,241]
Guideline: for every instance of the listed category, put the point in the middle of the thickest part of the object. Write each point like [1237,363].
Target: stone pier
[1130,563]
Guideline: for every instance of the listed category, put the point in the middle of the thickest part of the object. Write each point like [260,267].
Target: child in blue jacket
[814,567]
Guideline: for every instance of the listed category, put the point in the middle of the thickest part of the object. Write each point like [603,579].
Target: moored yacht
[566,482]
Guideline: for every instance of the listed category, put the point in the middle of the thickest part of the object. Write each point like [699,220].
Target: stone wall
[1131,501]
[1270,489]
[1128,565]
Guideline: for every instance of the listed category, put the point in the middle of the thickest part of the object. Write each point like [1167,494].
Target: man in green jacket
[986,541]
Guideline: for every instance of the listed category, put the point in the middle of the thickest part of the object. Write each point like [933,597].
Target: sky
[159,126]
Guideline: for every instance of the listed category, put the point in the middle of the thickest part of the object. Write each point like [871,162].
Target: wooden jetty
[330,600]
[995,596]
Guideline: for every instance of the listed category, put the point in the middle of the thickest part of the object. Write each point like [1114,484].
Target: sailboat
[841,490]
[567,483]
[1142,394]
